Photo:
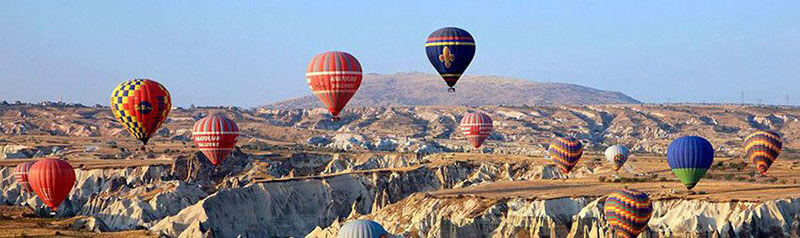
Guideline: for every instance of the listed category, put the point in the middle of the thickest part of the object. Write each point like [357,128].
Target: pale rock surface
[116,198]
[16,152]
[423,215]
[348,141]
[87,223]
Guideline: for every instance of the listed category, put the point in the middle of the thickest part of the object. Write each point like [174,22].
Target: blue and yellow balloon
[450,51]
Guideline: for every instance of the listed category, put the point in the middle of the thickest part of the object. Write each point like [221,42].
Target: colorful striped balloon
[617,155]
[476,126]
[762,148]
[689,157]
[362,229]
[628,211]
[51,180]
[450,51]
[334,77]
[565,152]
[21,175]
[141,105]
[215,136]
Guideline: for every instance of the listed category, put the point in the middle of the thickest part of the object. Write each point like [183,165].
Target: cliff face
[295,206]
[427,216]
[118,198]
[303,191]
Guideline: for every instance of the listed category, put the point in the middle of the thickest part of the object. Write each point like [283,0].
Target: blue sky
[253,53]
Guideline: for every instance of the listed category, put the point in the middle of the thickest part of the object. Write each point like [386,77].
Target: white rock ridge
[424,215]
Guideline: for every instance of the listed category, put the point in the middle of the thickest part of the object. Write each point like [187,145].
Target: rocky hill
[417,89]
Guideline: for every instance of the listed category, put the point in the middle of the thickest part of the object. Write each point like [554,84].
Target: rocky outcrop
[322,190]
[295,206]
[424,215]
[140,197]
[269,209]
[119,199]
[142,208]
[83,223]
[198,169]
[25,152]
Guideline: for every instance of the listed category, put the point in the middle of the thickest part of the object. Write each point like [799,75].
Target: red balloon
[52,180]
[476,126]
[21,175]
[334,77]
[216,136]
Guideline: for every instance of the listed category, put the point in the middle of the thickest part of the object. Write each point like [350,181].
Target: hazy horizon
[255,53]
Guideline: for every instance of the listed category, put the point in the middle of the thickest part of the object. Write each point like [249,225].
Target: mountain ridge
[419,89]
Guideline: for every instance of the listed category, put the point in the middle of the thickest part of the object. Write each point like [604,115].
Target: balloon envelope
[689,157]
[215,136]
[362,229]
[450,50]
[565,152]
[334,77]
[51,180]
[21,175]
[141,106]
[628,211]
[617,155]
[762,148]
[476,126]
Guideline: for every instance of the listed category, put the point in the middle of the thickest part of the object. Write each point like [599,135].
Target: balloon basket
[451,90]
[336,118]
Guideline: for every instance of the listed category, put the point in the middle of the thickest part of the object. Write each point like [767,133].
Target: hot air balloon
[565,152]
[362,229]
[628,211]
[476,126]
[762,148]
[21,175]
[617,155]
[450,50]
[215,136]
[141,105]
[334,77]
[52,180]
[690,157]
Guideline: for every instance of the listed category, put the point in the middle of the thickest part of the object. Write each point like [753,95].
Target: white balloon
[617,155]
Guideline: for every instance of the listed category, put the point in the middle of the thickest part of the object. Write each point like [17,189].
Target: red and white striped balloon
[334,77]
[215,136]
[21,175]
[476,126]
